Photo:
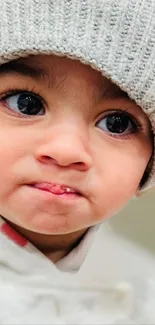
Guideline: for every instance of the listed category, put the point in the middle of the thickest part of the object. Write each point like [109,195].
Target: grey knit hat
[116,37]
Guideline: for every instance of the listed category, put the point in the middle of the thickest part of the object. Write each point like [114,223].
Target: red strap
[12,234]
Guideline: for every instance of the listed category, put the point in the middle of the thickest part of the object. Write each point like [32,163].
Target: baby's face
[73,147]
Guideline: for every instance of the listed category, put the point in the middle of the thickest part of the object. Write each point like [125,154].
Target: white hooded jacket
[34,291]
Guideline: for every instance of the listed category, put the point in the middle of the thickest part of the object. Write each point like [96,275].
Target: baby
[76,120]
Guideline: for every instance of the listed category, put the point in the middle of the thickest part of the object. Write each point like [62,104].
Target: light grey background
[136,222]
[125,245]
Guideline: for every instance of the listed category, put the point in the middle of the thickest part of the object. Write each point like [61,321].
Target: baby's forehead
[108,87]
[36,67]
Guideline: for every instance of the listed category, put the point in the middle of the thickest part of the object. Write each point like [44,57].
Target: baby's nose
[66,149]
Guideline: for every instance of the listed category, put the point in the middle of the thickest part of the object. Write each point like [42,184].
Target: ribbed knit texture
[116,37]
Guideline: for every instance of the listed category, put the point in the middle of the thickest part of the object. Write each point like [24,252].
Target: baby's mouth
[56,189]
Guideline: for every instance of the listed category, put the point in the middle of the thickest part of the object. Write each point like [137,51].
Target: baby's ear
[139,193]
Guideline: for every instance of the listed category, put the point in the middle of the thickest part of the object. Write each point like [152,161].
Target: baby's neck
[55,247]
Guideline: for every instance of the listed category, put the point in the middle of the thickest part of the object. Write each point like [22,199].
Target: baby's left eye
[26,103]
[118,123]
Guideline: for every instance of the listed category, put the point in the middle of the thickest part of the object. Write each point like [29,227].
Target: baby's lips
[55,188]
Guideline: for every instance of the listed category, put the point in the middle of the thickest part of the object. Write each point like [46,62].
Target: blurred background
[125,247]
[136,222]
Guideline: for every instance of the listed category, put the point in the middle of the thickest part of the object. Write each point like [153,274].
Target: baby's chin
[45,225]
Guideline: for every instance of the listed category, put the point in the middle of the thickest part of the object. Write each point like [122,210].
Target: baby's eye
[26,103]
[118,123]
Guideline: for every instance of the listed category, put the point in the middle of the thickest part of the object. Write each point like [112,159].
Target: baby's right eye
[26,103]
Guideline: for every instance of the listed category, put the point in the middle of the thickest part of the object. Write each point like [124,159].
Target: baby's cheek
[115,190]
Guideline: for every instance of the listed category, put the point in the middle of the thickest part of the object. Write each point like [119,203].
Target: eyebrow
[112,91]
[22,68]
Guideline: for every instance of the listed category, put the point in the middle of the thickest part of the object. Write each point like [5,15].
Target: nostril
[79,163]
[47,159]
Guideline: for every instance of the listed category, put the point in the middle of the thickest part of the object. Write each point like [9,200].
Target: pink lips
[55,189]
